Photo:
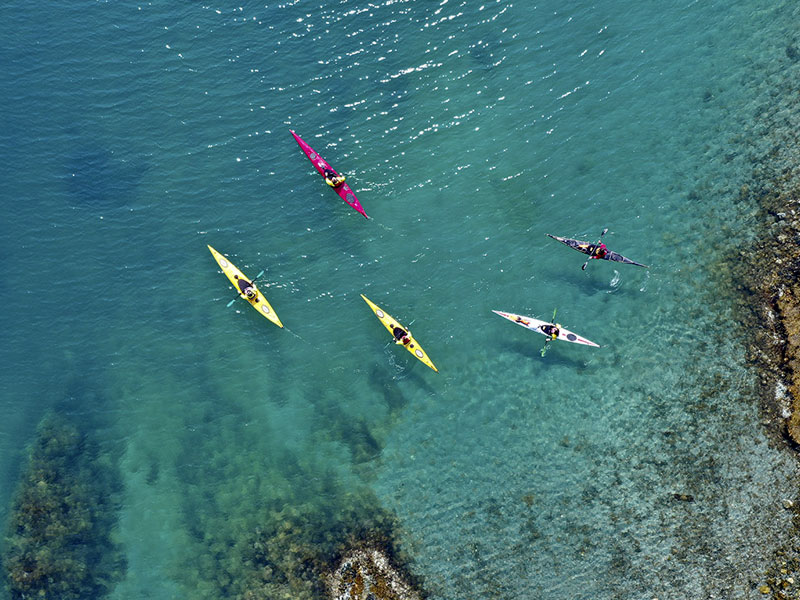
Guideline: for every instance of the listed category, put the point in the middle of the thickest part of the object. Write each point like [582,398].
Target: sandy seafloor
[135,134]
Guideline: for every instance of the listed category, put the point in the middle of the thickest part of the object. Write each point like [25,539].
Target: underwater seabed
[258,489]
[59,541]
[662,484]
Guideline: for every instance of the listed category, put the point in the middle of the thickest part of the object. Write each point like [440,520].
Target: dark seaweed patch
[289,549]
[58,543]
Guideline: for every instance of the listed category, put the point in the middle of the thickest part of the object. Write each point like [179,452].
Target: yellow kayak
[390,324]
[259,302]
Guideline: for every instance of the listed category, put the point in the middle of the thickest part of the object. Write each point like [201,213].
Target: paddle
[240,294]
[547,341]
[583,268]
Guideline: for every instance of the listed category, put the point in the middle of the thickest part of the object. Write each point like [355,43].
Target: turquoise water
[134,135]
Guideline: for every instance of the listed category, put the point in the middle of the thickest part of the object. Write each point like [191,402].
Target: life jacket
[551,331]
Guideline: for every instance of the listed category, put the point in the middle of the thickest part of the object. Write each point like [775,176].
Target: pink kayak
[344,191]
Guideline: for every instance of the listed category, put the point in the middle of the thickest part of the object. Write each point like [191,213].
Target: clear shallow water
[135,135]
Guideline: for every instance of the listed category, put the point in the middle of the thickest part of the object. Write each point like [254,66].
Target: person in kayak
[247,288]
[401,336]
[598,250]
[551,331]
[332,179]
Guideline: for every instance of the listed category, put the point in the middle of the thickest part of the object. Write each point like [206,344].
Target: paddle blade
[257,276]
[231,302]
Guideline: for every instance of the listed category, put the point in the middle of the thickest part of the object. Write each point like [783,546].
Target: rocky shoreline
[767,273]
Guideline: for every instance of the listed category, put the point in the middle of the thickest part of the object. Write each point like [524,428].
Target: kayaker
[598,250]
[332,179]
[246,288]
[551,331]
[401,336]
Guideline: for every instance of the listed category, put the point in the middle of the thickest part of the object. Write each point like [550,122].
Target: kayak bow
[234,275]
[390,323]
[585,248]
[536,325]
[344,191]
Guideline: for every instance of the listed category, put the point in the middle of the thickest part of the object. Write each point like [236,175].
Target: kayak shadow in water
[389,387]
[554,356]
[411,371]
[602,283]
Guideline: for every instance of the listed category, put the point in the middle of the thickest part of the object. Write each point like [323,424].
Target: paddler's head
[249,292]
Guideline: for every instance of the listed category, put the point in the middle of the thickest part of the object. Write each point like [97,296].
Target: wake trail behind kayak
[299,337]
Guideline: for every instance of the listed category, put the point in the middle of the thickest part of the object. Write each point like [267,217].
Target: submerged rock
[367,574]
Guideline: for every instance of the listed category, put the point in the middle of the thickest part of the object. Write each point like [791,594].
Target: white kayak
[536,325]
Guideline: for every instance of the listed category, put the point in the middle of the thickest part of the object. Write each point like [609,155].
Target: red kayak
[344,191]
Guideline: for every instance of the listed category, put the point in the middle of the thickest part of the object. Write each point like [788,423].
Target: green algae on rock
[58,543]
